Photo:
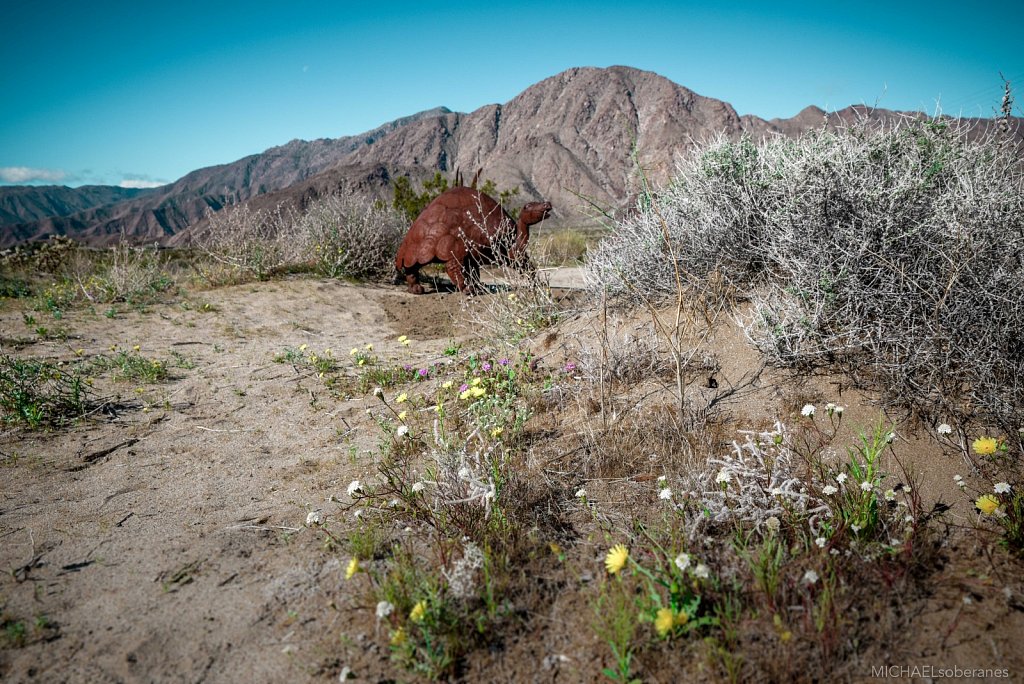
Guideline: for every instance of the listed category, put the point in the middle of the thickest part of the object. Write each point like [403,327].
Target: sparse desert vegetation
[771,430]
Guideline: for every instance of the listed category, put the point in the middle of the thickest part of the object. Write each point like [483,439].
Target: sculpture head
[535,212]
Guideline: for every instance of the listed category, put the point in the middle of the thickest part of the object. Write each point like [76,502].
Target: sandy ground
[164,539]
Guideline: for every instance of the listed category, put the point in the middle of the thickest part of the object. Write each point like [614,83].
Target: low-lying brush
[893,254]
[38,393]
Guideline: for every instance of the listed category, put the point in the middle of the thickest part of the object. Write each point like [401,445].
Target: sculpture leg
[454,269]
[412,279]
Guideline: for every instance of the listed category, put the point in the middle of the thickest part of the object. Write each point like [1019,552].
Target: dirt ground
[164,538]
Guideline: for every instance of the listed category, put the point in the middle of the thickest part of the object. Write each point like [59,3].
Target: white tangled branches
[755,482]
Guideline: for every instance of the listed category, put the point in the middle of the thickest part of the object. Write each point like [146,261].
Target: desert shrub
[347,238]
[560,248]
[38,393]
[254,243]
[124,273]
[893,252]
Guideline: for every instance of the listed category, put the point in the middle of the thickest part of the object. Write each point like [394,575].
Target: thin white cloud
[24,174]
[140,183]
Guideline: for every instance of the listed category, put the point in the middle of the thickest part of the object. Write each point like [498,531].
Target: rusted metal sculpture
[464,228]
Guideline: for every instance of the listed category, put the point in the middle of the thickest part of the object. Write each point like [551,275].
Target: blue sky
[130,92]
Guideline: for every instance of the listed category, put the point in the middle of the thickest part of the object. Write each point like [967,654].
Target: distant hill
[569,139]
[25,203]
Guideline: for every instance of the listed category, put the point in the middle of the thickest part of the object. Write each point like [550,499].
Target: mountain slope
[25,203]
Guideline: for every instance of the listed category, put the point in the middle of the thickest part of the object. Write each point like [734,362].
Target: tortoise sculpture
[464,228]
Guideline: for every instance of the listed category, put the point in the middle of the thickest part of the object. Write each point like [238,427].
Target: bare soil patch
[164,539]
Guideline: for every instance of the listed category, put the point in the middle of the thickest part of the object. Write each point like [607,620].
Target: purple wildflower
[463,387]
[504,362]
[570,367]
[486,366]
[424,372]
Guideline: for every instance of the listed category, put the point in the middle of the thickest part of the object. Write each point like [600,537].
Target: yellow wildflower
[355,350]
[403,415]
[403,338]
[475,381]
[496,432]
[352,569]
[302,347]
[136,348]
[616,558]
[398,637]
[477,392]
[664,622]
[464,395]
[405,343]
[418,612]
[984,446]
[987,503]
[361,362]
[447,385]
[368,347]
[402,398]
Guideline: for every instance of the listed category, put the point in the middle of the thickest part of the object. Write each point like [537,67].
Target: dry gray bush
[348,238]
[123,273]
[339,236]
[898,252]
[255,243]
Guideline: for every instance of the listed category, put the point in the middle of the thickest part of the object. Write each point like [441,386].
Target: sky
[139,94]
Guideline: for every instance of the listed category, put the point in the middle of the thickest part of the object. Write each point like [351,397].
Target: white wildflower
[890,438]
[315,518]
[856,528]
[890,495]
[465,474]
[358,513]
[379,393]
[810,577]
[944,429]
[384,608]
[833,552]
[841,478]
[665,494]
[661,480]
[821,541]
[830,408]
[723,477]
[838,410]
[418,487]
[866,486]
[829,490]
[402,431]
[354,487]
[683,561]
[581,493]
[1002,488]
[772,523]
[702,571]
[808,410]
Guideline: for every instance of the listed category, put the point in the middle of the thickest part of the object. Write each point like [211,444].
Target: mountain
[569,139]
[23,203]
